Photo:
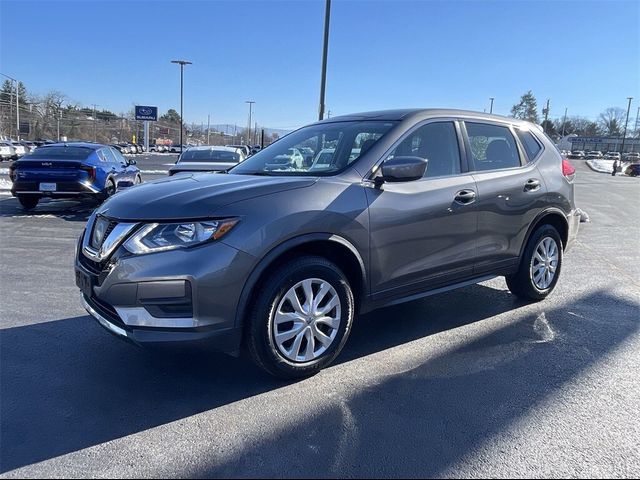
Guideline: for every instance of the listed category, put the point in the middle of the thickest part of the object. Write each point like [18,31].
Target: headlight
[159,237]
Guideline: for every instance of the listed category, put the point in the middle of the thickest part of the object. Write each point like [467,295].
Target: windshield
[210,155]
[60,153]
[299,152]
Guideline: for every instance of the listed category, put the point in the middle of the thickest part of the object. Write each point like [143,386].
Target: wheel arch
[332,247]
[551,216]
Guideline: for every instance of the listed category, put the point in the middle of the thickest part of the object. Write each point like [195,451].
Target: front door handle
[465,197]
[532,185]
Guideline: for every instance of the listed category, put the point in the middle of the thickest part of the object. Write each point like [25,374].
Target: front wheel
[28,202]
[301,318]
[540,266]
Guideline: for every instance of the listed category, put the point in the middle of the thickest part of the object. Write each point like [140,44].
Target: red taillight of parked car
[91,171]
[568,170]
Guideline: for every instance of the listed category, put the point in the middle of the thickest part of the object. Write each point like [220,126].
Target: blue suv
[71,170]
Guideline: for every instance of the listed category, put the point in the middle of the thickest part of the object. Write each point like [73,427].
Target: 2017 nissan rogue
[281,259]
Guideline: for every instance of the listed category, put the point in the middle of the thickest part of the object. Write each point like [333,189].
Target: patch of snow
[155,172]
[5,184]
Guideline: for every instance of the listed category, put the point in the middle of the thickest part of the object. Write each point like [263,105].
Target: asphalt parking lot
[470,383]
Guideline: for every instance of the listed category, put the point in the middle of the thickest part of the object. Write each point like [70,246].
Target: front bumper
[177,296]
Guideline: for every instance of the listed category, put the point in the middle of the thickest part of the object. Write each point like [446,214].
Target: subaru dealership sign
[146,113]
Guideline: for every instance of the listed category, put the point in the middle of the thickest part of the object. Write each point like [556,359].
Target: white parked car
[207,158]
[612,156]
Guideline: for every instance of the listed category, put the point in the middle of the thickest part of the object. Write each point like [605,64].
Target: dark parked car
[282,261]
[632,170]
[71,170]
[207,159]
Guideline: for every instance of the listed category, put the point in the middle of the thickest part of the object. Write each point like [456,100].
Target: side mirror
[403,169]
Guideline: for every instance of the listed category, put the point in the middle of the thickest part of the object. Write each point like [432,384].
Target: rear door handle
[532,185]
[465,197]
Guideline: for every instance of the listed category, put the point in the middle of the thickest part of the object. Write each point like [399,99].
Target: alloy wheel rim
[544,263]
[307,320]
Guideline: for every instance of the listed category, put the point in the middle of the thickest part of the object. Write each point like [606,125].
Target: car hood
[193,196]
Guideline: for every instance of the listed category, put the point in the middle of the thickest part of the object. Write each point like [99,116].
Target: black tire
[259,337]
[137,180]
[28,202]
[522,283]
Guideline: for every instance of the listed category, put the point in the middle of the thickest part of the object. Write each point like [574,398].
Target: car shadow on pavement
[67,385]
[430,411]
[70,210]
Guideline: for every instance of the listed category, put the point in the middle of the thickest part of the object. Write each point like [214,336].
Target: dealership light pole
[95,134]
[325,47]
[182,63]
[491,107]
[250,102]
[624,135]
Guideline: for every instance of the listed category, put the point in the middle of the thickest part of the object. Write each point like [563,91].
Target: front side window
[492,146]
[323,149]
[435,142]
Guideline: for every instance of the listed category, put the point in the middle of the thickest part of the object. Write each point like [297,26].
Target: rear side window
[61,153]
[435,142]
[530,144]
[492,146]
[108,155]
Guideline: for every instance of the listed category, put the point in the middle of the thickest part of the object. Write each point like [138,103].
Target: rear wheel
[28,202]
[540,266]
[301,319]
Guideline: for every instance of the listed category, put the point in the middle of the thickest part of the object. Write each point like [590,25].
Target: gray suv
[278,259]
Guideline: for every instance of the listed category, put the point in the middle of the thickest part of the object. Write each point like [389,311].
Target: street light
[325,47]
[491,107]
[182,63]
[250,102]
[17,106]
[624,135]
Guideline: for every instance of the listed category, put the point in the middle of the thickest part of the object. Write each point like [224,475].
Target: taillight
[568,170]
[91,171]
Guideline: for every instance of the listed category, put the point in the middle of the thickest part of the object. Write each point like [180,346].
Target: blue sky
[584,55]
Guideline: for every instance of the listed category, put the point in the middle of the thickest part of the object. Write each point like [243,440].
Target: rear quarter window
[531,146]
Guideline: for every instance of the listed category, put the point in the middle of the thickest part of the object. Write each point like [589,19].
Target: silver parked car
[207,159]
[280,260]
[7,151]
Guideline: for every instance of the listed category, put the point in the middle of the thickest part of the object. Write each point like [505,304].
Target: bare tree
[611,121]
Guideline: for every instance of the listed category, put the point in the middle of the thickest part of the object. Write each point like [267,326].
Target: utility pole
[250,102]
[95,132]
[208,127]
[255,134]
[325,48]
[182,63]
[59,117]
[564,120]
[546,115]
[491,107]
[624,136]
[635,128]
[17,112]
